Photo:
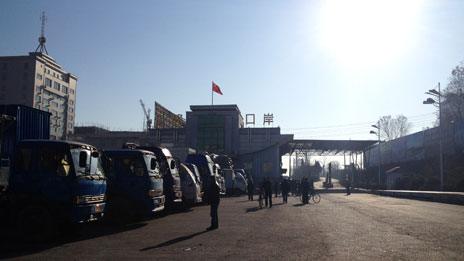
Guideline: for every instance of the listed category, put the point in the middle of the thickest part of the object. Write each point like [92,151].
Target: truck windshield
[148,159]
[93,165]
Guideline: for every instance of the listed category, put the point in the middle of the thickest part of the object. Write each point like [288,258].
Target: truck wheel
[35,224]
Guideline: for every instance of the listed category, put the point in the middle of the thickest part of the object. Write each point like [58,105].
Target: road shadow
[253,209]
[299,205]
[12,246]
[243,201]
[174,241]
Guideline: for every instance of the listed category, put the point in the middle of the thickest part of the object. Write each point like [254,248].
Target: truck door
[54,167]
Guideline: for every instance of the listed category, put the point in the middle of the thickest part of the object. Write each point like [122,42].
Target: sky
[325,69]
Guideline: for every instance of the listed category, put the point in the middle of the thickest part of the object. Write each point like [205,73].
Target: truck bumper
[88,212]
[157,204]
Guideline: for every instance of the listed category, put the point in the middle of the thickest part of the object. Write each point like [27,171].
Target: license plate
[156,201]
[99,208]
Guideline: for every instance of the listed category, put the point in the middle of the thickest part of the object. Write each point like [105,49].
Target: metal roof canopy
[326,147]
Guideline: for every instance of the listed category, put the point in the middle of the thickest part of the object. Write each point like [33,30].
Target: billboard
[165,119]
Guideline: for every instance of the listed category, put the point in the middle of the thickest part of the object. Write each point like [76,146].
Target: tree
[393,128]
[453,97]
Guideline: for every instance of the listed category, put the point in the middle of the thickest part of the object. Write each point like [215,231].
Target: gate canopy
[326,147]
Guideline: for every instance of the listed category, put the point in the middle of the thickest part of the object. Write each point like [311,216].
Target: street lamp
[378,136]
[437,101]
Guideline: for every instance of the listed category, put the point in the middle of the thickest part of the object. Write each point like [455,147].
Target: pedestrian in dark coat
[305,190]
[214,199]
[285,187]
[250,189]
[267,184]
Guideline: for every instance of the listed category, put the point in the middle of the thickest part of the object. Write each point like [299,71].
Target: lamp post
[437,101]
[377,127]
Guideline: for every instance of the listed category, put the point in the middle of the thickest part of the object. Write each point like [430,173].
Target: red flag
[216,88]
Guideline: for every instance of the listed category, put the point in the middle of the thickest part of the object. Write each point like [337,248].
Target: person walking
[250,189]
[276,188]
[305,190]
[285,187]
[214,199]
[267,185]
[348,185]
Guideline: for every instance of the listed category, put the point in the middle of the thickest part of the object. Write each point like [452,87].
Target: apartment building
[37,80]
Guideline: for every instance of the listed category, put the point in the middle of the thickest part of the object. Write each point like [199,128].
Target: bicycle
[315,197]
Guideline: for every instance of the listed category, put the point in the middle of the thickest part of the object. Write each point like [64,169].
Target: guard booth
[299,153]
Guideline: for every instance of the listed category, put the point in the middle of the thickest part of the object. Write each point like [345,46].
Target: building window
[48,82]
[71,91]
[71,110]
[65,89]
[39,76]
[56,86]
[38,98]
[71,102]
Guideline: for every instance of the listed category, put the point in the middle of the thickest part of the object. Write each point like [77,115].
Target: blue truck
[135,184]
[53,184]
[169,168]
[45,184]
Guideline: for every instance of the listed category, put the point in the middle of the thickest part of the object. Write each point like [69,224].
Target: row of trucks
[46,186]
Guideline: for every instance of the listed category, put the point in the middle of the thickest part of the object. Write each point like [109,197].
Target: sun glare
[362,33]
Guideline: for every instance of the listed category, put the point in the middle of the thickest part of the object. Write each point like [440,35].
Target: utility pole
[438,95]
[377,127]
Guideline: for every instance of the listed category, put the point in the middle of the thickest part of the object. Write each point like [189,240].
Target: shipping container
[29,123]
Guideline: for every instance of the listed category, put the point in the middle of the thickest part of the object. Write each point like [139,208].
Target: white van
[191,189]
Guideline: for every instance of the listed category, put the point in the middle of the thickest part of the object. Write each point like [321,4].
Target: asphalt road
[356,227]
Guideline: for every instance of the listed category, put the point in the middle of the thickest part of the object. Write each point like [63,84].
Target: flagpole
[212,95]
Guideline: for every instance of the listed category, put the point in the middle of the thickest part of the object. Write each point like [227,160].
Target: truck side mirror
[214,168]
[83,159]
[173,164]
[95,154]
[153,164]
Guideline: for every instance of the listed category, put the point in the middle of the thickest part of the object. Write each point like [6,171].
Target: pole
[289,164]
[380,151]
[212,95]
[441,138]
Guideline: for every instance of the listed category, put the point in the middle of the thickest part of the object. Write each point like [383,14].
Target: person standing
[267,192]
[305,190]
[250,189]
[285,187]
[348,184]
[276,188]
[214,199]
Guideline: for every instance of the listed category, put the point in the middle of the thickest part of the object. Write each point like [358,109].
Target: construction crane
[147,122]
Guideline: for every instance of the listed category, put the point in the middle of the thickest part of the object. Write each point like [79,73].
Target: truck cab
[169,168]
[135,184]
[53,183]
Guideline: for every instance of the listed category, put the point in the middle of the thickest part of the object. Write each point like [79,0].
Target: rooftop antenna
[41,48]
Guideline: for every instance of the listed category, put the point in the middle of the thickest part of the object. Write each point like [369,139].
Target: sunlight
[362,33]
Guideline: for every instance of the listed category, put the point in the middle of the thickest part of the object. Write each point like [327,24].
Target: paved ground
[356,227]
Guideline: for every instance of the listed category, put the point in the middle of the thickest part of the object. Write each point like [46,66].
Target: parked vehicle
[220,178]
[240,185]
[54,183]
[206,168]
[193,168]
[170,171]
[191,189]
[19,122]
[135,185]
[229,178]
